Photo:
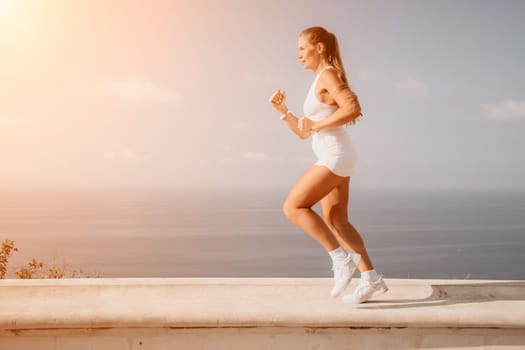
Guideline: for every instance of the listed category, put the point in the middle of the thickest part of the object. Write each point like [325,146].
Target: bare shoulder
[330,79]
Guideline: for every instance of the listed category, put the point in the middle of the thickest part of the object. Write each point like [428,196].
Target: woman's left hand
[305,124]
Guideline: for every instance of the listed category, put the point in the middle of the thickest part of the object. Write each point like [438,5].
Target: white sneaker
[366,290]
[343,272]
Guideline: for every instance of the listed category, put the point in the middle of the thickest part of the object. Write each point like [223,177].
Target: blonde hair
[320,35]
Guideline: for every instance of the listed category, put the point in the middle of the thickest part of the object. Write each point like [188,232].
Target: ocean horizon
[433,234]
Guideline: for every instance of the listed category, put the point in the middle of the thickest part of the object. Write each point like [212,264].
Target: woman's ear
[320,48]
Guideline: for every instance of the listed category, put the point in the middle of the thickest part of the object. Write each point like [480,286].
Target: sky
[171,94]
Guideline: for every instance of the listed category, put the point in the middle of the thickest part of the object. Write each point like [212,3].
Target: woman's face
[307,53]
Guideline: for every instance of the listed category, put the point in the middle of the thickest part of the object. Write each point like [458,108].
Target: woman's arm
[349,109]
[292,121]
[277,101]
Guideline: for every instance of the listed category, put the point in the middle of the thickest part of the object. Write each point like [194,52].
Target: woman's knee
[328,220]
[337,222]
[289,209]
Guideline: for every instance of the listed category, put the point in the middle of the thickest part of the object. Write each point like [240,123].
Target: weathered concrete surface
[258,313]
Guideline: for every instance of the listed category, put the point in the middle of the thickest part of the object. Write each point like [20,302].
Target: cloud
[408,86]
[140,89]
[371,77]
[256,156]
[504,111]
[9,121]
[412,87]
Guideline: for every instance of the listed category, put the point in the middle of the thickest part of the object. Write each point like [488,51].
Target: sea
[242,232]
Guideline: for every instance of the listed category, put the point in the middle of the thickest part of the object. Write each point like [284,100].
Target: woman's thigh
[315,184]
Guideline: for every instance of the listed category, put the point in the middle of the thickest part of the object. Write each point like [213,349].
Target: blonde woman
[329,107]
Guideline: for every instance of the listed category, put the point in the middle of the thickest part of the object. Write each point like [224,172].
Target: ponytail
[334,57]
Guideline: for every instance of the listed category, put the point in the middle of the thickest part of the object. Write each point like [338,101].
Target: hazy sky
[175,93]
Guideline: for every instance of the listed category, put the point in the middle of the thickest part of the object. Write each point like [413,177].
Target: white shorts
[335,150]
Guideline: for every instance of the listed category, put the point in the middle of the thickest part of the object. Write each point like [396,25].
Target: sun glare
[7,9]
[16,20]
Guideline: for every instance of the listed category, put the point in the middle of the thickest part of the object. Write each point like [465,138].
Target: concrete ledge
[491,311]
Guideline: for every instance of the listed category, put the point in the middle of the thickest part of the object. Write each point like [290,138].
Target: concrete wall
[258,313]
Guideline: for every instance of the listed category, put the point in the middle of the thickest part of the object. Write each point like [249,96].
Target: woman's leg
[316,183]
[335,214]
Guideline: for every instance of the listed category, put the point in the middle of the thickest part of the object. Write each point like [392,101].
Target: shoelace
[338,268]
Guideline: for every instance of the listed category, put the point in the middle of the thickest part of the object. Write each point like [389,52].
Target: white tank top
[313,108]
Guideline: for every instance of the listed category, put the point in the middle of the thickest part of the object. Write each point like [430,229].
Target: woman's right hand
[277,101]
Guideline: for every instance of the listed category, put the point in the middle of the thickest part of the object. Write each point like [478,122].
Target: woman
[329,105]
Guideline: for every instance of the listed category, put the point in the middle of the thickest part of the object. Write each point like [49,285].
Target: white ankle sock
[338,254]
[370,275]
